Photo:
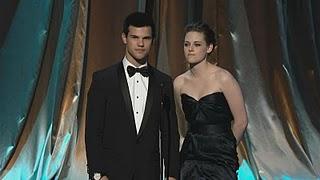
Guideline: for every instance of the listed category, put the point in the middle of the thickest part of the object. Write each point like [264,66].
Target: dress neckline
[213,93]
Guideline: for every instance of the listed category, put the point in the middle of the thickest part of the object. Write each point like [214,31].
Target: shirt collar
[126,63]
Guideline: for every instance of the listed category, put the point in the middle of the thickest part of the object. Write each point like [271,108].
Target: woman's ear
[210,48]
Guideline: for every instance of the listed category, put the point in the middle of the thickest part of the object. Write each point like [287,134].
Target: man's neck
[136,62]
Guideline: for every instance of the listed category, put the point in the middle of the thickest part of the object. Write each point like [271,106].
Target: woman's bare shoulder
[223,75]
[180,80]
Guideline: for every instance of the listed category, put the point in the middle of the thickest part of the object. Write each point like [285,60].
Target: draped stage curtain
[49,50]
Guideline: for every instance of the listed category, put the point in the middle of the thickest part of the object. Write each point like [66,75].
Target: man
[128,104]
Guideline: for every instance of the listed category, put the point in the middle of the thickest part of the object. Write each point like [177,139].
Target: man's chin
[141,59]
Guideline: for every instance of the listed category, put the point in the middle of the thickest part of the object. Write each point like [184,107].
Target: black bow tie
[143,71]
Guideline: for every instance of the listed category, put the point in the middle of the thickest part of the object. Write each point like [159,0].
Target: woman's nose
[190,48]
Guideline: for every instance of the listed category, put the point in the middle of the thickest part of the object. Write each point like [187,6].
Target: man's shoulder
[160,74]
[108,71]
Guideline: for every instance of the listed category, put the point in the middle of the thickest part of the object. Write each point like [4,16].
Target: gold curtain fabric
[258,42]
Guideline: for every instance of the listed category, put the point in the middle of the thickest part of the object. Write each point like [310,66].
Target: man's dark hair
[138,19]
[201,27]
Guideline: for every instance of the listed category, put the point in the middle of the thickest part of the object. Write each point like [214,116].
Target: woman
[212,104]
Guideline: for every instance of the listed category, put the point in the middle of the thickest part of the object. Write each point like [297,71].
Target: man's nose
[140,42]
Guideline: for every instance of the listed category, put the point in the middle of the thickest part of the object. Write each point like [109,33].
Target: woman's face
[195,47]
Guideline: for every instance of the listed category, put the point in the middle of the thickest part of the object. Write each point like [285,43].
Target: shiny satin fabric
[48,137]
[271,47]
[209,148]
[21,54]
[279,128]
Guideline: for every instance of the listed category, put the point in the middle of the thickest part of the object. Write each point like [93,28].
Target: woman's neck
[200,69]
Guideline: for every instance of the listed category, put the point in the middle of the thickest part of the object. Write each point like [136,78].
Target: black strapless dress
[209,149]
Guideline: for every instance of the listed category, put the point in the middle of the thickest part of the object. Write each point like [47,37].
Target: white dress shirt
[138,87]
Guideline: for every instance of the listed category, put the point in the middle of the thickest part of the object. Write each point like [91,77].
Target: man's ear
[124,38]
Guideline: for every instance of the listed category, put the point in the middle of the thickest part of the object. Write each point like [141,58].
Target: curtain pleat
[21,59]
[49,50]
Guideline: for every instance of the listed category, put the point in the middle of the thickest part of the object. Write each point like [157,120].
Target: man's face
[138,43]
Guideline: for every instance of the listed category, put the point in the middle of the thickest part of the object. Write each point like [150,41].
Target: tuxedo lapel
[149,102]
[126,95]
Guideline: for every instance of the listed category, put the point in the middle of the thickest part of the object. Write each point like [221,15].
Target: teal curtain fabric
[49,49]
[28,50]
[20,60]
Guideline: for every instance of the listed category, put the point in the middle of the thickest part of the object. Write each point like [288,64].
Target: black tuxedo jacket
[113,146]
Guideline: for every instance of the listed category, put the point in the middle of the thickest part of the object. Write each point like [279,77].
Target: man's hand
[172,178]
